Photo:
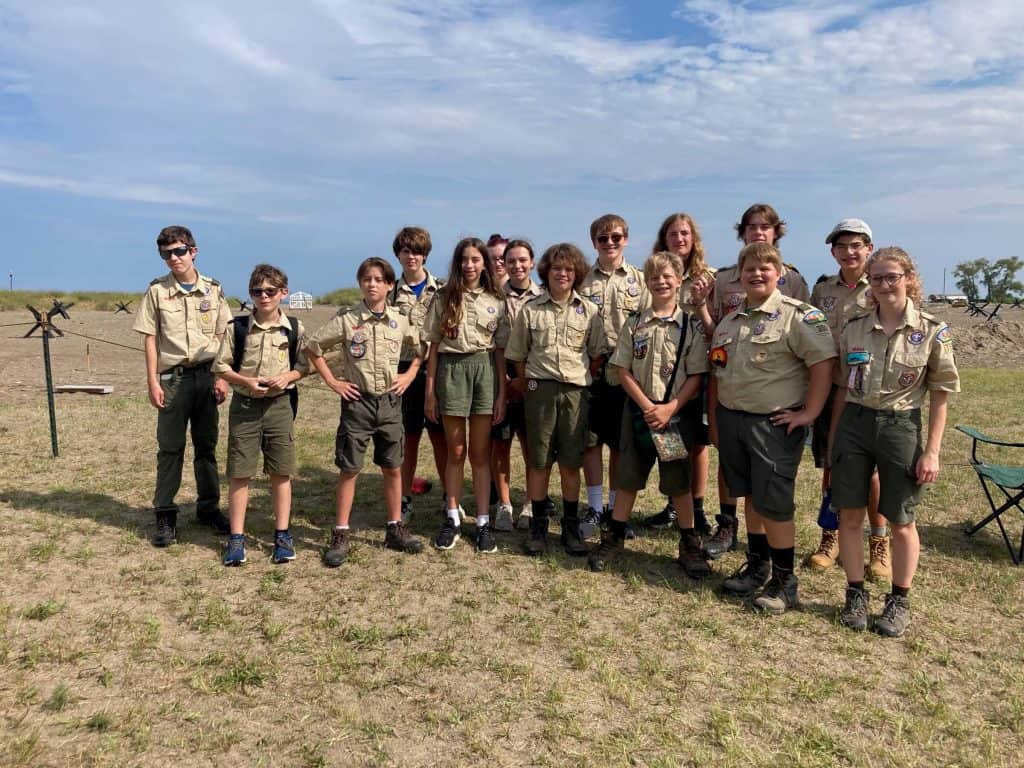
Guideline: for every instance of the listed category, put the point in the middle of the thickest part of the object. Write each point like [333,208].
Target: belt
[890,412]
[188,370]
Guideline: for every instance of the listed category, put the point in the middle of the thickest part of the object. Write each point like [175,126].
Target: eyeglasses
[615,237]
[268,292]
[850,247]
[890,279]
[171,252]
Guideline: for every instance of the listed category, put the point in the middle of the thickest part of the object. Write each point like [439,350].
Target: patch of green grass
[43,610]
[100,722]
[59,698]
[244,674]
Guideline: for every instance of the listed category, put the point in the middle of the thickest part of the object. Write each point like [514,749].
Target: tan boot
[828,551]
[879,568]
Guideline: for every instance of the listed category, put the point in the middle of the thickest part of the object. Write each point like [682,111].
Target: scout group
[655,363]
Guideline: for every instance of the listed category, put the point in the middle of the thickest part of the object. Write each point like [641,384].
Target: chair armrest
[983,438]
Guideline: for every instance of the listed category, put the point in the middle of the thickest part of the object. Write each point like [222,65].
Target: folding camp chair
[1008,479]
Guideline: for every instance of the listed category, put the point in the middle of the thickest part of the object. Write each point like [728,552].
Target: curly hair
[565,253]
[912,277]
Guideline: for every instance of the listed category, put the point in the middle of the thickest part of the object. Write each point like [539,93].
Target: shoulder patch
[814,316]
[944,336]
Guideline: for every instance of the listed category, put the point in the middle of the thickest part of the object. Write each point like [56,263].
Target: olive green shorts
[377,418]
[260,424]
[819,432]
[760,460]
[606,405]
[637,455]
[888,440]
[556,423]
[466,384]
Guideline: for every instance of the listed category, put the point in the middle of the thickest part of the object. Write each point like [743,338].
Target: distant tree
[1001,279]
[967,274]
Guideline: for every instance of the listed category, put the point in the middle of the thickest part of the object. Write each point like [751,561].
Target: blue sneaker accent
[284,548]
[235,553]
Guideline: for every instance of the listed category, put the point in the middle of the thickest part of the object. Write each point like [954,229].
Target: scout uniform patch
[718,357]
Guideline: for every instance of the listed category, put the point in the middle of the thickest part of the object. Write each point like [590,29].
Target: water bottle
[828,517]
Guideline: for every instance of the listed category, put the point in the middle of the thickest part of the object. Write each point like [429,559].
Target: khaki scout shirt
[648,349]
[557,342]
[515,302]
[729,292]
[266,352]
[685,295]
[760,356]
[617,294]
[893,372]
[840,302]
[370,346]
[484,324]
[188,325]
[402,298]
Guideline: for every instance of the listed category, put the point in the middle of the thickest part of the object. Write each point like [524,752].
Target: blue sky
[305,134]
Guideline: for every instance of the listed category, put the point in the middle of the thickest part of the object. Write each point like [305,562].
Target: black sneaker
[895,616]
[398,539]
[751,576]
[571,539]
[537,544]
[338,551]
[213,518]
[723,539]
[691,558]
[630,532]
[448,535]
[780,594]
[855,613]
[166,527]
[485,543]
[610,549]
[664,519]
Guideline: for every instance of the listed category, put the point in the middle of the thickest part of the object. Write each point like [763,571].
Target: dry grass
[114,654]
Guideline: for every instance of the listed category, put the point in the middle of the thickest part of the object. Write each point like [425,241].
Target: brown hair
[416,239]
[175,234]
[567,253]
[375,261]
[761,253]
[268,273]
[693,263]
[606,223]
[769,213]
[901,257]
[450,295]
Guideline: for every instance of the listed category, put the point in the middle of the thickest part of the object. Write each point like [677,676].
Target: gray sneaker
[895,616]
[780,594]
[525,516]
[591,522]
[751,576]
[855,613]
[503,518]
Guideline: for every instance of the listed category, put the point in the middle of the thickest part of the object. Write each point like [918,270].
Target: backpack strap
[241,326]
[293,350]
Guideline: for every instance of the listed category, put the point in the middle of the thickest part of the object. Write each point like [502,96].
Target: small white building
[300,300]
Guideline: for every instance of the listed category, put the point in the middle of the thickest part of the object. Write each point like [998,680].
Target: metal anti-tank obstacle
[45,324]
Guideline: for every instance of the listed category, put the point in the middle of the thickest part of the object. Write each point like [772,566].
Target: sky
[305,134]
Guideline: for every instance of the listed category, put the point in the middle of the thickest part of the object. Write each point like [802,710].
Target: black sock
[858,585]
[494,493]
[757,543]
[617,527]
[900,591]
[539,508]
[683,532]
[729,510]
[278,532]
[571,509]
[698,505]
[783,558]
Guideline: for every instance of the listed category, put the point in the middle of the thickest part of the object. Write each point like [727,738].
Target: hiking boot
[166,527]
[406,509]
[421,485]
[700,523]
[723,539]
[664,519]
[779,594]
[503,518]
[591,522]
[827,553]
[284,548]
[537,544]
[448,535]
[610,548]
[398,539]
[879,568]
[895,616]
[338,551]
[234,554]
[751,576]
[485,543]
[214,518]
[855,613]
[571,540]
[691,558]
[525,516]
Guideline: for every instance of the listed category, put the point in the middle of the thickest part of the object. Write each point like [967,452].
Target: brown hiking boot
[780,594]
[398,539]
[691,558]
[827,554]
[723,539]
[338,551]
[879,568]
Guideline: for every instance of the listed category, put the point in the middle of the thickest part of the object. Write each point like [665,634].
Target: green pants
[188,399]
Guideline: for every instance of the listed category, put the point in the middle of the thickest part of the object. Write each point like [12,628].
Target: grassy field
[105,301]
[113,653]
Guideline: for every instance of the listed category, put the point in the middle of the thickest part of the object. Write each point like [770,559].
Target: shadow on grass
[987,544]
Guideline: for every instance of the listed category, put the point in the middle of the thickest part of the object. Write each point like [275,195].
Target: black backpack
[241,325]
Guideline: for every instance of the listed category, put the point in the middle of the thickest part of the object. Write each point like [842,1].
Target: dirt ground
[102,348]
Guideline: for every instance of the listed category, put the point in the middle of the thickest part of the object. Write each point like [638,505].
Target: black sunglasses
[180,251]
[268,292]
[615,237]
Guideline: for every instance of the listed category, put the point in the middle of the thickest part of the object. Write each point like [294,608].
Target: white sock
[453,514]
[595,497]
[482,520]
[341,527]
[611,499]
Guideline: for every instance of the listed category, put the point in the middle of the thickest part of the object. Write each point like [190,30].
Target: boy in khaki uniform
[183,317]
[660,358]
[618,290]
[370,337]
[772,360]
[261,415]
[557,340]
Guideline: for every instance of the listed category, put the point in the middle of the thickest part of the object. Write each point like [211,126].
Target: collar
[911,317]
[531,290]
[837,279]
[648,317]
[770,305]
[404,285]
[201,285]
[364,314]
[621,269]
[280,322]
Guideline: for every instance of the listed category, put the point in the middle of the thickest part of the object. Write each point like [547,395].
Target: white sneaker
[525,516]
[502,518]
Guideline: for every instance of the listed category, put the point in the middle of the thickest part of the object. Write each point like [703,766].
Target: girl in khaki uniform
[889,359]
[467,329]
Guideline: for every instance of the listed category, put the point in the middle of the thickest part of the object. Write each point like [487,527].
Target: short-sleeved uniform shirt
[188,324]
[370,345]
[266,352]
[894,372]
[760,357]
[482,327]
[840,301]
[729,292]
[557,341]
[685,290]
[618,295]
[414,307]
[515,301]
[648,347]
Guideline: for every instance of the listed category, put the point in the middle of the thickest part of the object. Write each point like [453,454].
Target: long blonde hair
[694,264]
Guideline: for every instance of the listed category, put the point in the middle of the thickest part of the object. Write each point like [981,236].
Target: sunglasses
[268,292]
[180,251]
[615,237]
